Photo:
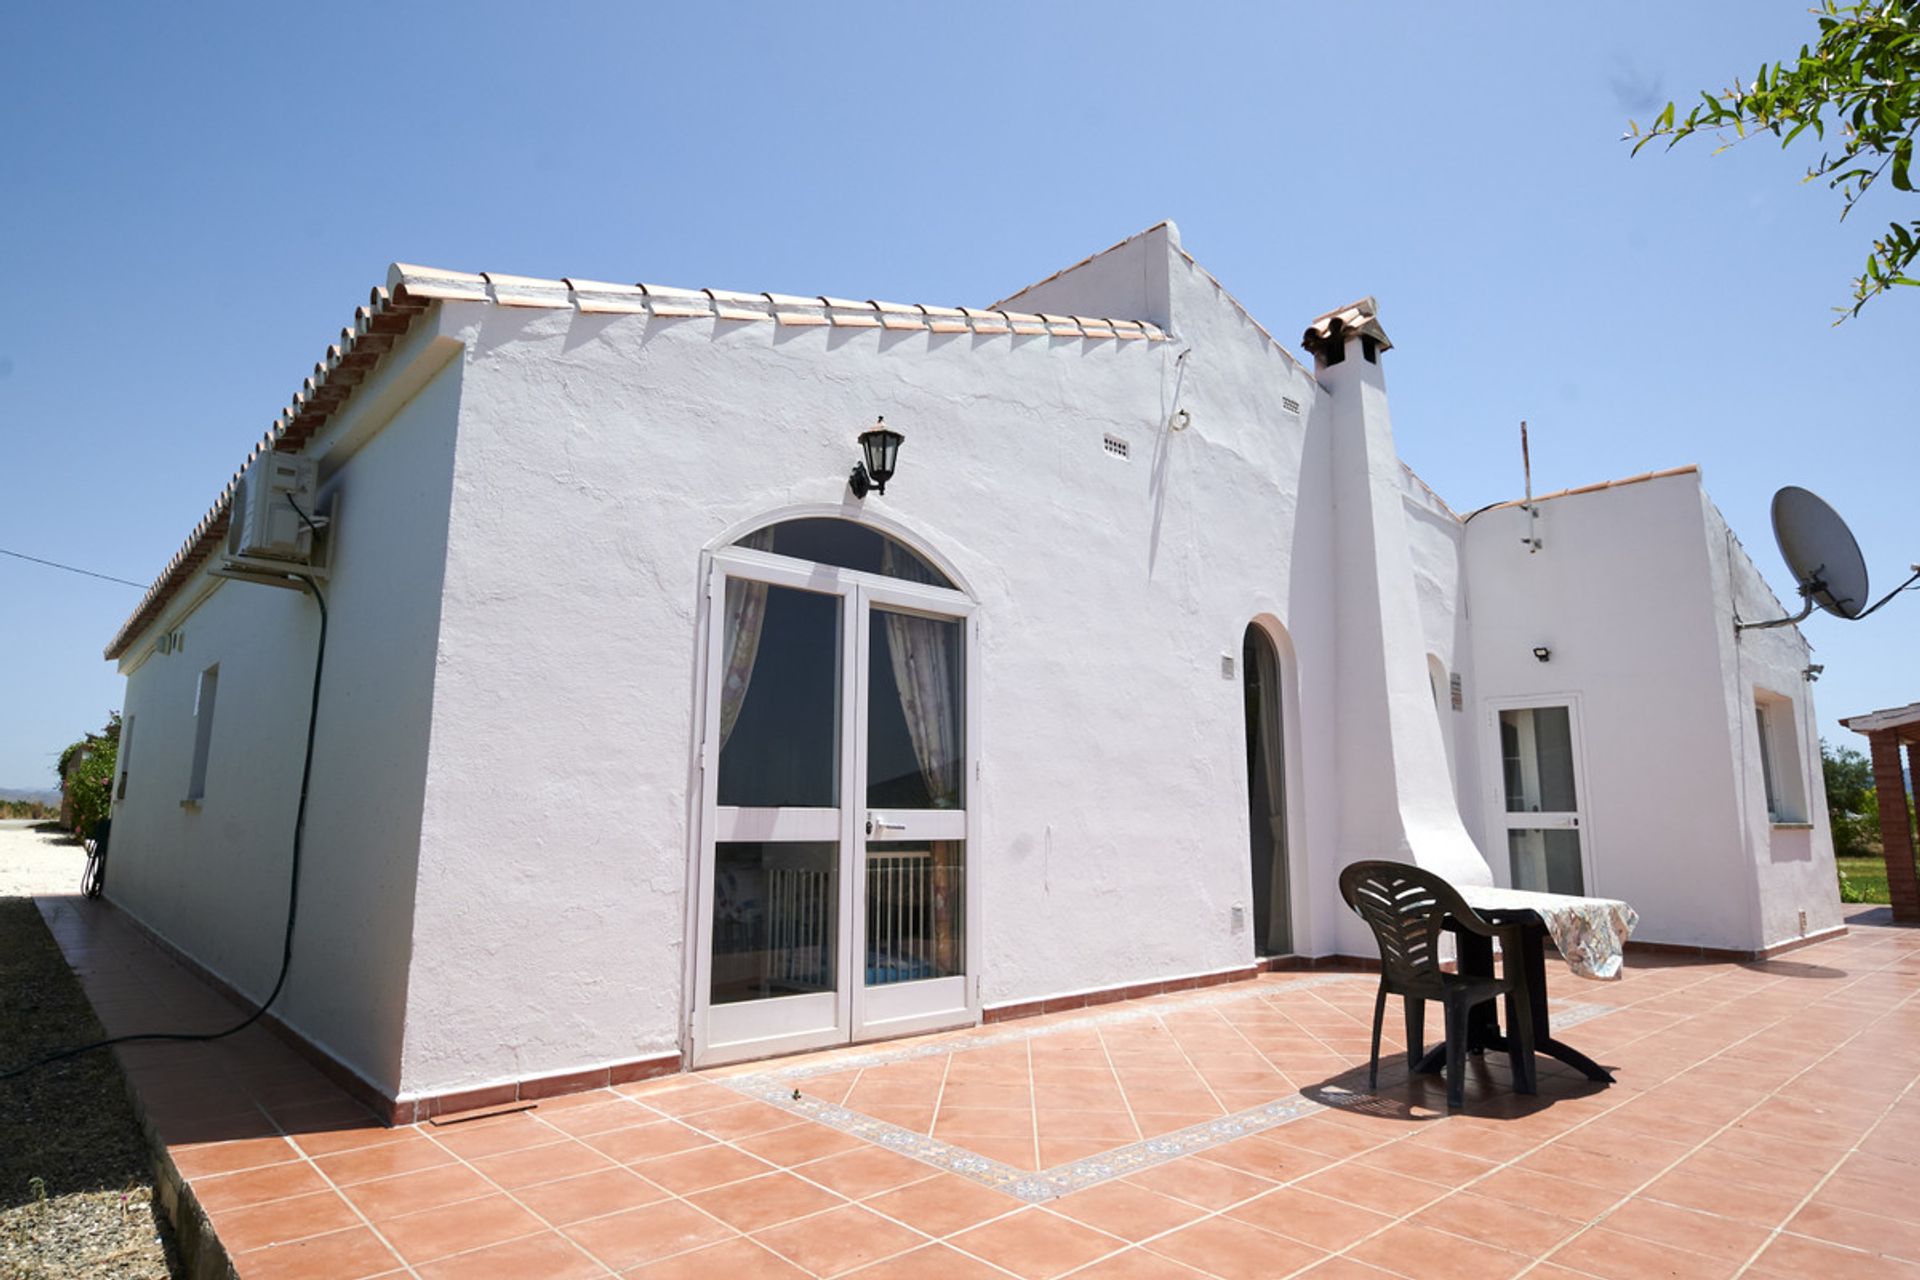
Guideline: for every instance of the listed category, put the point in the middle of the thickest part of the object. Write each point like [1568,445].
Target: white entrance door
[1539,797]
[836,766]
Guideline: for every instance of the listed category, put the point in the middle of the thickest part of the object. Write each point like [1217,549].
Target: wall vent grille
[1291,405]
[1117,448]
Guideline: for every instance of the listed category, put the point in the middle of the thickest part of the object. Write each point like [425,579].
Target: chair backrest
[1405,907]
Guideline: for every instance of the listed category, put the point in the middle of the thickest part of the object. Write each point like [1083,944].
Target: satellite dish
[1820,551]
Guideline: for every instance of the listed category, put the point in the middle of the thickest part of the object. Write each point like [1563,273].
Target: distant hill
[45,795]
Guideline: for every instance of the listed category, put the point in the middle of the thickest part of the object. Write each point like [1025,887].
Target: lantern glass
[881,445]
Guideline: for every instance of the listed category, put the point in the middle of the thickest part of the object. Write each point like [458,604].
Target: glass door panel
[1540,799]
[915,910]
[775,920]
[772,968]
[779,698]
[914,773]
[916,711]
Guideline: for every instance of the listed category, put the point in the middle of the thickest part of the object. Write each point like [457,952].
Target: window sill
[1793,826]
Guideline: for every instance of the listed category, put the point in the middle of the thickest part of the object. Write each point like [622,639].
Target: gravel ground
[38,861]
[76,1193]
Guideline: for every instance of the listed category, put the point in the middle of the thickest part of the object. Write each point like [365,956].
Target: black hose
[293,884]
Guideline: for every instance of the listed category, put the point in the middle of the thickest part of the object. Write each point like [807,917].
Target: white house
[643,741]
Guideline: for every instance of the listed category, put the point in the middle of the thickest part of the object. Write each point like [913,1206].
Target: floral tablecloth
[1591,933]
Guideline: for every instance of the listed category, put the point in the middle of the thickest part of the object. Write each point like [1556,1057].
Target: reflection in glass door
[1540,794]
[833,879]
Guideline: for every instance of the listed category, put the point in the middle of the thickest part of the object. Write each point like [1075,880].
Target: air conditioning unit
[263,524]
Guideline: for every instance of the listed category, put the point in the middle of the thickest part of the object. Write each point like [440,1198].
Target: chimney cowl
[1326,338]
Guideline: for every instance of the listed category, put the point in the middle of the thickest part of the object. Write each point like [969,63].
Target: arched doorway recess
[1272,887]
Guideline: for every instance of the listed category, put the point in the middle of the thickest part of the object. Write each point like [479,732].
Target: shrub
[86,777]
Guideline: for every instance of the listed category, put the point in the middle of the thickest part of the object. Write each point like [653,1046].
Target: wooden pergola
[1887,732]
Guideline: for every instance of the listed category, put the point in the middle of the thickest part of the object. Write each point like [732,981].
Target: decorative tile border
[1572,1015]
[779,1088]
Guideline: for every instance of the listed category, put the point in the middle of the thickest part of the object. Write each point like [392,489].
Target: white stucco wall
[1436,544]
[1629,592]
[213,880]
[1789,863]
[599,455]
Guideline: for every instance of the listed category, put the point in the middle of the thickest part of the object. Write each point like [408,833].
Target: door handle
[877,823]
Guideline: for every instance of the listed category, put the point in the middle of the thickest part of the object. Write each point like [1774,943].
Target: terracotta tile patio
[1764,1124]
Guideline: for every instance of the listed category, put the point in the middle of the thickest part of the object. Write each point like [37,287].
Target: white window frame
[1783,761]
[206,698]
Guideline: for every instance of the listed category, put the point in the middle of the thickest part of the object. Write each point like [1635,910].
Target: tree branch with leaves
[1862,77]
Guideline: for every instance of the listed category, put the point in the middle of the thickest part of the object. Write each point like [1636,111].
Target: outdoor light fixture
[881,445]
[1541,652]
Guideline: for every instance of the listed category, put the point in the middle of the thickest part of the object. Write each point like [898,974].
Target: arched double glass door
[836,774]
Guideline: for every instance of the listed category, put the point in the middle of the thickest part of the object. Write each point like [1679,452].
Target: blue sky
[197,198]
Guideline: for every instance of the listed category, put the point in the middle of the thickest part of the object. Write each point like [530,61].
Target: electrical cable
[1907,585]
[86,573]
[293,883]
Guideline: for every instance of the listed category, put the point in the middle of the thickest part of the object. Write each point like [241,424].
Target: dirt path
[35,861]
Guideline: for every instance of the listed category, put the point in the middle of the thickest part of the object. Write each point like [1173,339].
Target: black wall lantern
[1542,653]
[881,445]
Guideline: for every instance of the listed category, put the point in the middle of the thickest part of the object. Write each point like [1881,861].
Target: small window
[1780,771]
[203,730]
[825,540]
[126,758]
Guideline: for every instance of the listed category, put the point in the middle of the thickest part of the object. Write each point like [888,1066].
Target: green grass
[76,1194]
[1863,879]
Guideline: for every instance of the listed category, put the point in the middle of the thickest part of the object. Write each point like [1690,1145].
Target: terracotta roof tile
[527,291]
[431,284]
[1362,317]
[729,304]
[598,296]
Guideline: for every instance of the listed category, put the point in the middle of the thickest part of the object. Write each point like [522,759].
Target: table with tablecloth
[1591,936]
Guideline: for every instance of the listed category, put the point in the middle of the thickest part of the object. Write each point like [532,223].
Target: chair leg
[1416,1031]
[1520,1043]
[1379,1016]
[1456,1053]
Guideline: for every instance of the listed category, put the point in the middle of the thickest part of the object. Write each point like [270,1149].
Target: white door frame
[1500,821]
[792,1023]
[904,1008]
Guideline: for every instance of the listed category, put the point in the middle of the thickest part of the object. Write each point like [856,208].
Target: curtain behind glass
[746,615]
[926,663]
